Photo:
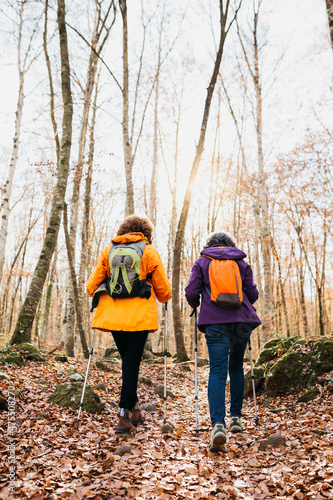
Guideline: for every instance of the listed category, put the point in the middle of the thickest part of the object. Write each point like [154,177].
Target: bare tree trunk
[265,239]
[97,44]
[302,297]
[87,200]
[281,286]
[153,197]
[262,208]
[129,208]
[180,234]
[19,281]
[7,189]
[49,72]
[173,190]
[22,332]
[256,205]
[329,8]
[7,286]
[49,292]
[75,288]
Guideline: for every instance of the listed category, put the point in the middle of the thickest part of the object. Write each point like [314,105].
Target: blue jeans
[226,348]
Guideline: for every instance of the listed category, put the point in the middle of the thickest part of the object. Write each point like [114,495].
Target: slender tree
[329,8]
[26,317]
[24,63]
[129,207]
[261,203]
[100,35]
[180,234]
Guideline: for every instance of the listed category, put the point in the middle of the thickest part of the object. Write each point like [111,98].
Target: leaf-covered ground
[53,460]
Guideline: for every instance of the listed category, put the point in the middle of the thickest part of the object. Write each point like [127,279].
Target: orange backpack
[225,283]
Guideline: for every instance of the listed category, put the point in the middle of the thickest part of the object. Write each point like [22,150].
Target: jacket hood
[224,253]
[129,238]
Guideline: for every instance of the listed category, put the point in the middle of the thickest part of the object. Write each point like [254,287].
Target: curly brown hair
[135,224]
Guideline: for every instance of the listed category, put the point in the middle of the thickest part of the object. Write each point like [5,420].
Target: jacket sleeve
[100,272]
[194,286]
[249,287]
[159,279]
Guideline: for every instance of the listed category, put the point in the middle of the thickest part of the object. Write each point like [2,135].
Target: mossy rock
[324,347]
[100,387]
[312,380]
[160,354]
[273,348]
[290,342]
[3,404]
[288,375]
[105,366]
[61,358]
[309,395]
[69,396]
[271,343]
[159,389]
[259,380]
[110,351]
[203,362]
[148,355]
[266,355]
[26,346]
[299,368]
[145,380]
[14,358]
[29,351]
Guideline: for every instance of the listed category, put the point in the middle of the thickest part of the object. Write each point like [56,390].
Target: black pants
[130,346]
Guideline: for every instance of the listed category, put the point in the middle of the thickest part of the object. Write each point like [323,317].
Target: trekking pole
[85,382]
[165,355]
[194,312]
[196,370]
[256,418]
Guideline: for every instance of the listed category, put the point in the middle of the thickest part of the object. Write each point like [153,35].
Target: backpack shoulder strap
[138,246]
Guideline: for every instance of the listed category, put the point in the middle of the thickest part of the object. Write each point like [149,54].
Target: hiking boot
[137,417]
[219,437]
[235,424]
[124,425]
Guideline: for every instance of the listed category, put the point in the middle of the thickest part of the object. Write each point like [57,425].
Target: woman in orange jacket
[129,318]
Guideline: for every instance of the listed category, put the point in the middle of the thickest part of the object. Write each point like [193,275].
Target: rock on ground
[159,389]
[287,366]
[69,395]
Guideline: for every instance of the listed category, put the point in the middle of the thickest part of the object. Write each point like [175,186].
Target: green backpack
[124,280]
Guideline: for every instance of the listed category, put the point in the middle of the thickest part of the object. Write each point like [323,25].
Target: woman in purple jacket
[227,333]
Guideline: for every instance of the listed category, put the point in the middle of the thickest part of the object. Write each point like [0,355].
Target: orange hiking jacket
[133,313]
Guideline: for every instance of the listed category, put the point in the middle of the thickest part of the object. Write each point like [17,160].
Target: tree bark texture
[281,286]
[7,189]
[75,288]
[49,72]
[153,196]
[329,8]
[128,159]
[180,234]
[48,300]
[97,45]
[87,201]
[265,238]
[22,332]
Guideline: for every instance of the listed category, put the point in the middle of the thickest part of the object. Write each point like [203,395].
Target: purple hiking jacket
[210,313]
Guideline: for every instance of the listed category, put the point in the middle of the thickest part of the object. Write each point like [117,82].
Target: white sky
[303,82]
